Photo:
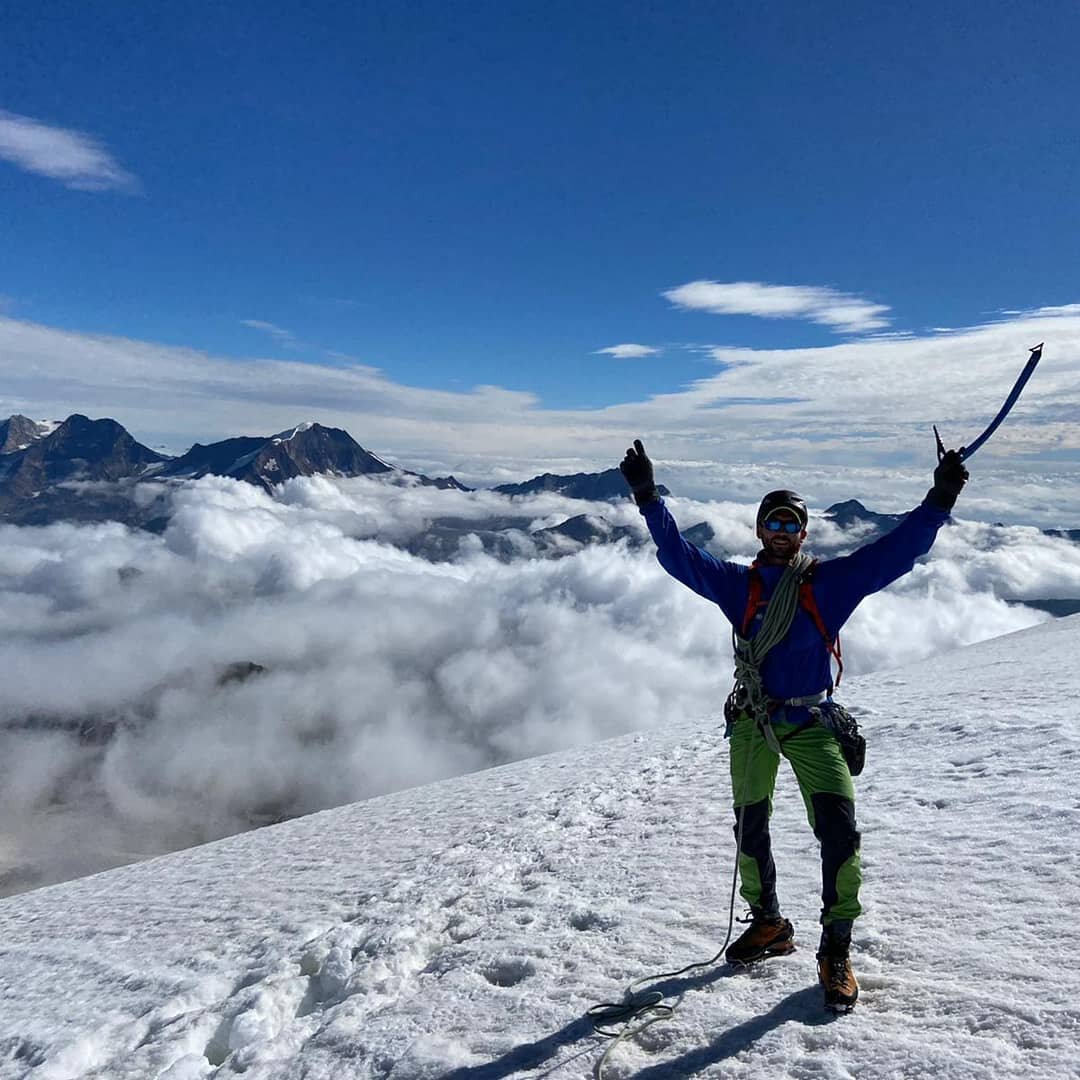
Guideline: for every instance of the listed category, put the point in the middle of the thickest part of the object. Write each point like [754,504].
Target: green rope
[748,657]
[750,652]
[636,1005]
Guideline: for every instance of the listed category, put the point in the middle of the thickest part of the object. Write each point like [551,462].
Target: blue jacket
[798,665]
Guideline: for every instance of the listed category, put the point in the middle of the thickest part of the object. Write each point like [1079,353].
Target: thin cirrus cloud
[844,313]
[628,351]
[77,160]
[278,333]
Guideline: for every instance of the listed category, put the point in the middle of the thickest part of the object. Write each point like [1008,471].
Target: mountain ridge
[603,486]
[42,464]
[48,470]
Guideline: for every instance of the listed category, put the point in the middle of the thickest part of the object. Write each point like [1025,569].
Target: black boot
[766,936]
[834,966]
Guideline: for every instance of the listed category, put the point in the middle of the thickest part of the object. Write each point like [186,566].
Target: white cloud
[1060,309]
[819,304]
[850,420]
[629,351]
[77,160]
[382,671]
[282,336]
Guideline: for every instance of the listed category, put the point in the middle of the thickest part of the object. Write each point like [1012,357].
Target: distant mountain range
[82,469]
[87,470]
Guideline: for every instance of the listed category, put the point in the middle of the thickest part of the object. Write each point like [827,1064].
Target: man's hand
[950,476]
[637,470]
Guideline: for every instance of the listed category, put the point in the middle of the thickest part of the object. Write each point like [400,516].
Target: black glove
[638,473]
[950,476]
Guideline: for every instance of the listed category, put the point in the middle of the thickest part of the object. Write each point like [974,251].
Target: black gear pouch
[846,729]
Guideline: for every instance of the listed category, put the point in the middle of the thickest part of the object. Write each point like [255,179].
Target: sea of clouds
[120,738]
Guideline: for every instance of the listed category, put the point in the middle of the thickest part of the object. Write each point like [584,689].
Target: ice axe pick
[1010,401]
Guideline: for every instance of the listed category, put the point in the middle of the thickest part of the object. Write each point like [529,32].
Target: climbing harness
[821,706]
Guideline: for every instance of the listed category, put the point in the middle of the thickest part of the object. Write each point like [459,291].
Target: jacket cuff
[940,499]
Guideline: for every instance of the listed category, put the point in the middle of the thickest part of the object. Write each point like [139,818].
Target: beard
[780,550]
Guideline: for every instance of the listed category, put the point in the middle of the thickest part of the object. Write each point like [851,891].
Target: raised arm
[848,580]
[716,580]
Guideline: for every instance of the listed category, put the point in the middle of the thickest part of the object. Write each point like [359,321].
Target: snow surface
[291,433]
[460,930]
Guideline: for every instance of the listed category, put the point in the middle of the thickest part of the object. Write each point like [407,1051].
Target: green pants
[829,797]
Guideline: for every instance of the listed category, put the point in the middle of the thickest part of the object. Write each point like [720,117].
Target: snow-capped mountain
[306,450]
[460,931]
[43,464]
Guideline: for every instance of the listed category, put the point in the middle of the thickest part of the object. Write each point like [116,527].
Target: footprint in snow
[508,971]
[593,920]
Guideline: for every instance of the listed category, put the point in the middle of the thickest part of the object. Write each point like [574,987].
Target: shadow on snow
[803,1006]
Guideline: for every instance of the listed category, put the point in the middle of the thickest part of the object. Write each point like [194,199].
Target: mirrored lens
[775,525]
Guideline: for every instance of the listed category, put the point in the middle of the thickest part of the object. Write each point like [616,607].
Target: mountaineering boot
[834,967]
[765,936]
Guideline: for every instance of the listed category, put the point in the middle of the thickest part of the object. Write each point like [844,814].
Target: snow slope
[461,930]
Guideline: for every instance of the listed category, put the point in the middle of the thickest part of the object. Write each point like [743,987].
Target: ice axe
[1010,401]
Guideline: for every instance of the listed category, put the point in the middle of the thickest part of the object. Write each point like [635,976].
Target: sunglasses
[776,525]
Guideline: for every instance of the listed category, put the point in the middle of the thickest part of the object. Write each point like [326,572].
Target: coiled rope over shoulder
[750,652]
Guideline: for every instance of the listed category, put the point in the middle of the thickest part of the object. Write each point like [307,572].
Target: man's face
[779,544]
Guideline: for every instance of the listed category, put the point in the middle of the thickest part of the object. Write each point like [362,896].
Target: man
[795,677]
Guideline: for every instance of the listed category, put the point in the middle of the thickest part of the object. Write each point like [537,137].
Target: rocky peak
[19,432]
[308,449]
[78,449]
[852,512]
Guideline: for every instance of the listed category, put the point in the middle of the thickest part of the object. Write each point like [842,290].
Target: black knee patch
[757,844]
[834,826]
[755,823]
[834,822]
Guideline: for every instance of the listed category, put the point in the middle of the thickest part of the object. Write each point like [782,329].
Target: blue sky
[480,194]
[489,192]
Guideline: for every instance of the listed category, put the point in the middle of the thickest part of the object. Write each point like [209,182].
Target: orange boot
[834,967]
[764,937]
